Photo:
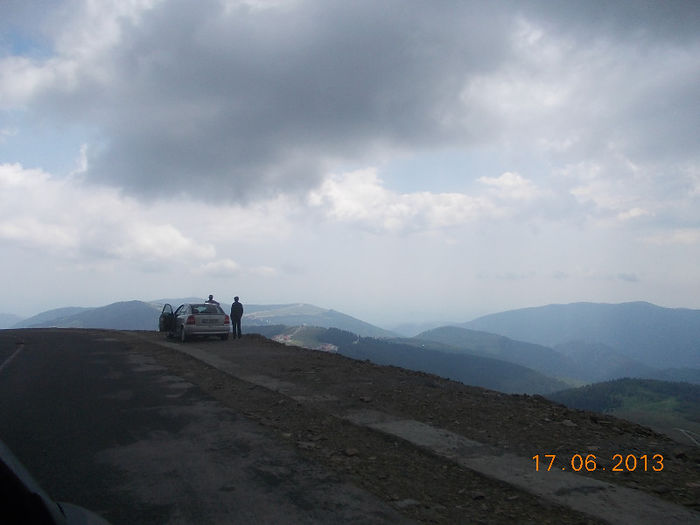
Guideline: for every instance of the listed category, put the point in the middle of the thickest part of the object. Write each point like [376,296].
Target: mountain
[596,362]
[411,329]
[128,315]
[583,362]
[649,334]
[8,320]
[307,314]
[682,375]
[537,357]
[45,319]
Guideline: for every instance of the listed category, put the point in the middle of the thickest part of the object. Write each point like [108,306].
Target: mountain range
[643,332]
[127,315]
[577,343]
[575,363]
[140,315]
[544,350]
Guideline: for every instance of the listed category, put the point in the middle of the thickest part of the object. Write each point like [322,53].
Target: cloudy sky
[394,160]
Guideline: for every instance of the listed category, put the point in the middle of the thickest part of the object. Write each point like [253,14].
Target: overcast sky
[394,160]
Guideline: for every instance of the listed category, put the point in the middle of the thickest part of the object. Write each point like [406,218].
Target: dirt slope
[421,484]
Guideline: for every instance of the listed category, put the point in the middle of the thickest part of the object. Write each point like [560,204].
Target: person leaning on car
[236,314]
[211,300]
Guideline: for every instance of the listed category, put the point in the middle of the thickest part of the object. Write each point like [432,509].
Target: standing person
[211,300]
[236,314]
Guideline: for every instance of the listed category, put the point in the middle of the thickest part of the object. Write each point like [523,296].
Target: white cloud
[43,212]
[219,268]
[511,186]
[692,174]
[264,271]
[82,161]
[146,241]
[687,236]
[32,232]
[7,132]
[360,197]
[14,177]
[633,213]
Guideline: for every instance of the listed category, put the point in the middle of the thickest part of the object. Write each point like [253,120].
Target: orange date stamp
[591,463]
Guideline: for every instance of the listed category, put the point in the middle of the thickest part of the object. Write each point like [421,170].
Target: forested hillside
[609,396]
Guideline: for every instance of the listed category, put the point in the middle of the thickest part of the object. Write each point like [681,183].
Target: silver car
[189,320]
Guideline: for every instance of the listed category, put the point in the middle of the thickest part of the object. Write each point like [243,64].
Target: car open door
[166,321]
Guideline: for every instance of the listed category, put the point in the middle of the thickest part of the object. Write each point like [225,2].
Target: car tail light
[190,320]
[227,320]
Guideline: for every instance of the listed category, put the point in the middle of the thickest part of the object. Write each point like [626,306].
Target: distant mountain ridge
[49,315]
[411,329]
[652,335]
[572,362]
[126,315]
[8,320]
[596,362]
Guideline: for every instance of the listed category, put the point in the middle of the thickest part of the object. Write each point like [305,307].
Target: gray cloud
[267,98]
[641,20]
[240,103]
[628,277]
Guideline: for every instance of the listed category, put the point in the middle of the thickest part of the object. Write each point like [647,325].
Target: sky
[398,161]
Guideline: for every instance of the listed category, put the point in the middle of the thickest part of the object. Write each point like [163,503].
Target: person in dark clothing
[211,300]
[236,314]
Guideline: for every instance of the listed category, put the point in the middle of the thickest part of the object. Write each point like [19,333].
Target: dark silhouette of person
[236,314]
[211,300]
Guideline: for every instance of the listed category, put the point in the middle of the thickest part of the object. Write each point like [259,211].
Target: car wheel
[183,334]
[224,337]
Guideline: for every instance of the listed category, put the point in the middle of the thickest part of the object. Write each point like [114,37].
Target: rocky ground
[422,485]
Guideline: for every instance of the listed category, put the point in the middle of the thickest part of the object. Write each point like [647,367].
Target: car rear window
[206,309]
